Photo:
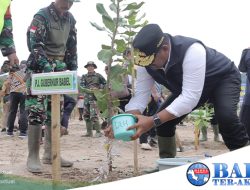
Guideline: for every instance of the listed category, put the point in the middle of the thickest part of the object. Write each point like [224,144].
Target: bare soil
[89,154]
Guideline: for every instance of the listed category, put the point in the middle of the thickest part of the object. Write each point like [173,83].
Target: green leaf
[116,71]
[131,14]
[106,46]
[133,6]
[100,8]
[121,22]
[104,113]
[113,7]
[116,77]
[129,33]
[120,45]
[117,84]
[144,23]
[136,26]
[139,19]
[197,123]
[97,26]
[109,23]
[105,55]
[102,99]
[132,20]
[205,123]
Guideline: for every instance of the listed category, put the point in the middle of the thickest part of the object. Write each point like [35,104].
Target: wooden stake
[55,138]
[196,137]
[136,168]
[136,172]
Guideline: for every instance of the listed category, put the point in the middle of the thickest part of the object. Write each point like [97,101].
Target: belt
[56,57]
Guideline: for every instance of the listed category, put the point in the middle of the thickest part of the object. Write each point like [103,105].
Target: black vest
[217,66]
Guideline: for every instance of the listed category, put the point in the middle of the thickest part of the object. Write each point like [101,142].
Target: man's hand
[108,132]
[13,59]
[144,124]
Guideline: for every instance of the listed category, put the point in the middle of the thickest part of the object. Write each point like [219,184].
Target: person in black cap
[195,74]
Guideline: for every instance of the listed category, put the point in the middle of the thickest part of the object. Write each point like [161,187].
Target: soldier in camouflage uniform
[51,39]
[91,80]
[7,45]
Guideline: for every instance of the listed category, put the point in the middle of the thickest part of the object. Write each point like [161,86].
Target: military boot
[167,149]
[33,161]
[47,156]
[216,133]
[203,134]
[97,127]
[89,129]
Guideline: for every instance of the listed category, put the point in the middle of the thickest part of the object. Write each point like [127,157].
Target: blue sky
[220,24]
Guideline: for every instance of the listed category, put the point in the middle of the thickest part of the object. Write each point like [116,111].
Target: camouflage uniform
[91,81]
[44,33]
[7,45]
[51,40]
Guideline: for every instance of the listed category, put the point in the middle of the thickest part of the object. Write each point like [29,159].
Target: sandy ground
[89,155]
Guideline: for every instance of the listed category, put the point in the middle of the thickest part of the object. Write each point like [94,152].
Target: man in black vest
[195,74]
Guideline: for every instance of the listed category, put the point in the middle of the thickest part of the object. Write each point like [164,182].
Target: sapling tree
[120,23]
[201,118]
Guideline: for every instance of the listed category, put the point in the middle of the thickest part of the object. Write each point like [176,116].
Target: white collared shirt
[194,68]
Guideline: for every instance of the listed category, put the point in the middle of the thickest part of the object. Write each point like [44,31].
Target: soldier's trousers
[90,111]
[39,109]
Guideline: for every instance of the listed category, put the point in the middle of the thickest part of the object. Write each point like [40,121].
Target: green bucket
[120,123]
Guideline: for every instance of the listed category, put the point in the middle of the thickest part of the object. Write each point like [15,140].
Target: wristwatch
[156,120]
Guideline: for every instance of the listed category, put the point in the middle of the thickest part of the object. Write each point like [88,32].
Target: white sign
[54,83]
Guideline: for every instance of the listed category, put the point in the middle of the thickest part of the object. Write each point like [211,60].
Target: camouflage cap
[91,63]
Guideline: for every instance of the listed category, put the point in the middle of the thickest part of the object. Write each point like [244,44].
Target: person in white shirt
[195,74]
